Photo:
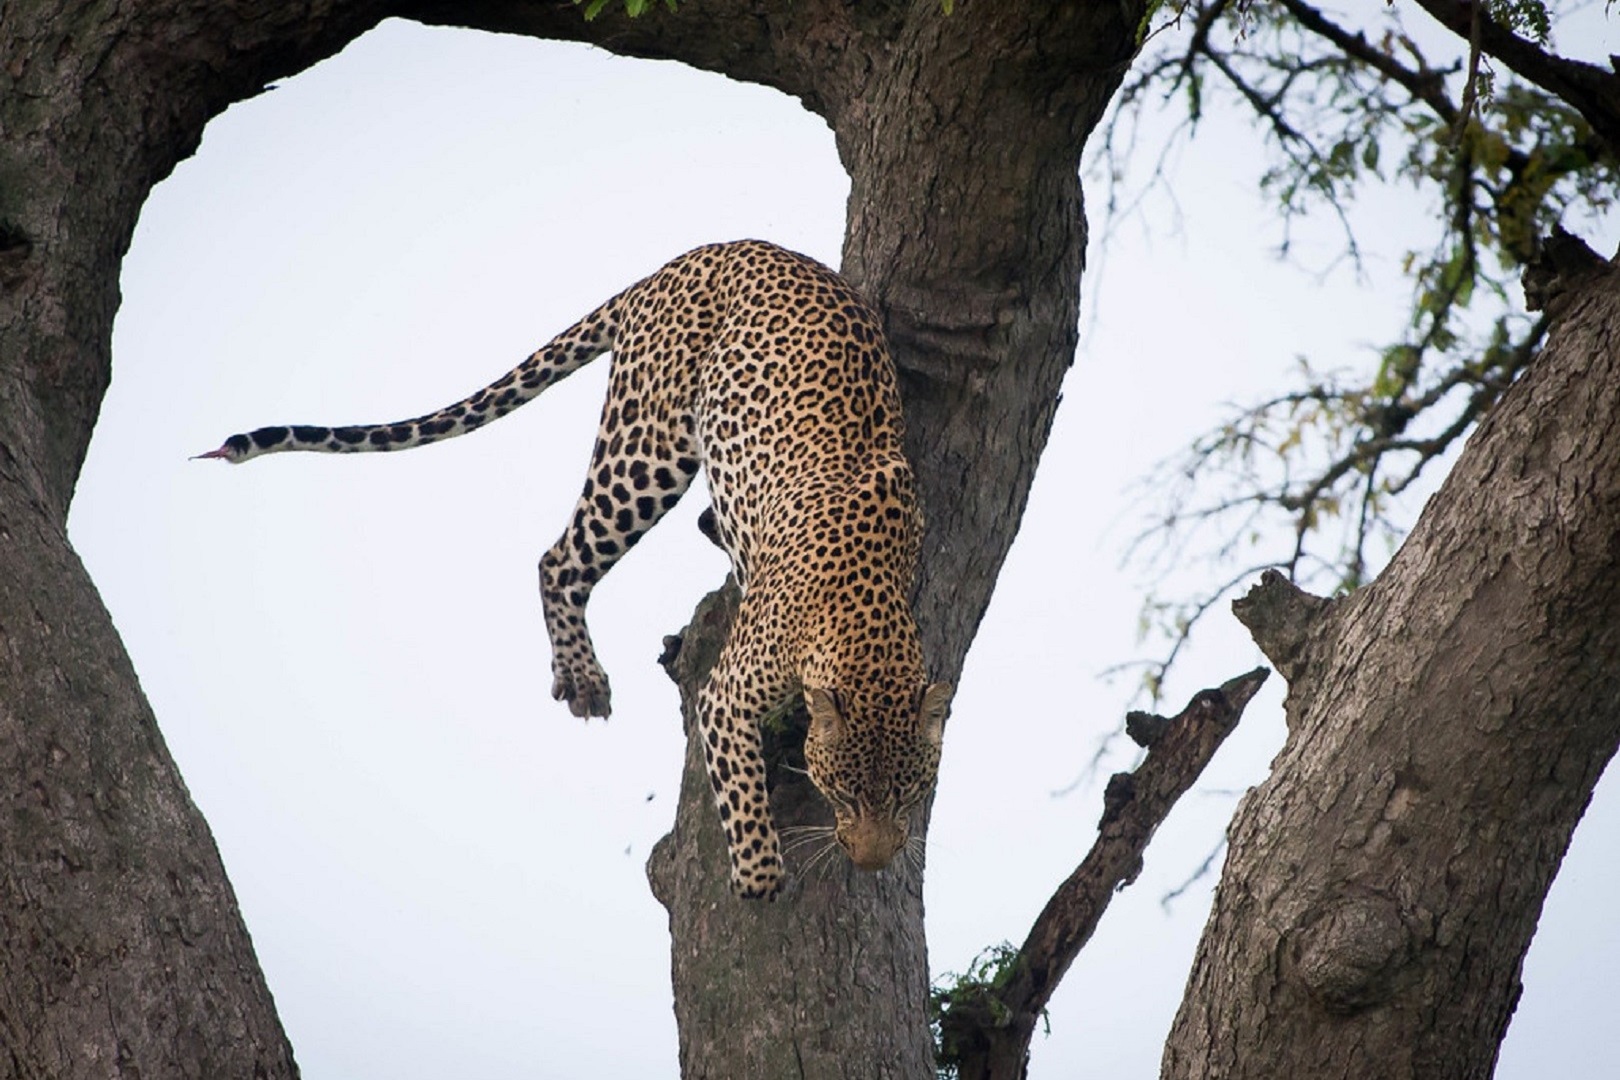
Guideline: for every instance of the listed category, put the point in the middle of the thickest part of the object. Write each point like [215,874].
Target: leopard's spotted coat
[767,371]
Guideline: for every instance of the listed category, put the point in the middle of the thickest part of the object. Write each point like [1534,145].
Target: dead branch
[986,1027]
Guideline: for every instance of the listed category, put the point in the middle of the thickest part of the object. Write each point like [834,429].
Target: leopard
[768,372]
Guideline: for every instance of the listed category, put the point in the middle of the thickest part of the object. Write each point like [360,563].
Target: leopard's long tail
[563,355]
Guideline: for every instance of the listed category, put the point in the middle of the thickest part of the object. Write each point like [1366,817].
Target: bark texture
[123,949]
[1446,728]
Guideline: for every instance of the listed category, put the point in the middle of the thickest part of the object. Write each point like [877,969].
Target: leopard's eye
[911,798]
[840,798]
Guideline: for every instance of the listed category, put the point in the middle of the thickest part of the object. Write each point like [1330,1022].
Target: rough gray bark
[966,228]
[1446,728]
[120,942]
[121,948]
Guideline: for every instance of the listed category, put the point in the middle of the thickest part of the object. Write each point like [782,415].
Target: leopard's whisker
[819,863]
[798,843]
[914,850]
[823,854]
[794,830]
[795,839]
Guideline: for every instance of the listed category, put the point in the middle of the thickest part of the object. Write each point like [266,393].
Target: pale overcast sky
[442,869]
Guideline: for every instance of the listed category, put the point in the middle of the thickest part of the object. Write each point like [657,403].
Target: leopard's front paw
[761,881]
[584,686]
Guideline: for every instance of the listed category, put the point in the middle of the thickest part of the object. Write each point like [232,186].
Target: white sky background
[441,869]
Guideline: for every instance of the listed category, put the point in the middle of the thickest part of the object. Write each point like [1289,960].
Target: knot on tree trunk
[1349,955]
[688,655]
[15,248]
[1562,263]
[1281,617]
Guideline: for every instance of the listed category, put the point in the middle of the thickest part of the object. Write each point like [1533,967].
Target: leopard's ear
[826,722]
[936,702]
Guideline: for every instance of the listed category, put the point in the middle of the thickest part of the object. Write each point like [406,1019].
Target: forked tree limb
[988,1033]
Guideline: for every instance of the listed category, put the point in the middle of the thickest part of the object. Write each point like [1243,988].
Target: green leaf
[633,8]
[1527,17]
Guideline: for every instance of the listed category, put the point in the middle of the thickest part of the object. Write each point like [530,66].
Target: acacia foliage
[1318,478]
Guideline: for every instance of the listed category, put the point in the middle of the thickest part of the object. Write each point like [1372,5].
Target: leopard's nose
[871,844]
[870,858]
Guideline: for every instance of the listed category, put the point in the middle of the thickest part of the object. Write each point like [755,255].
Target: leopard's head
[875,757]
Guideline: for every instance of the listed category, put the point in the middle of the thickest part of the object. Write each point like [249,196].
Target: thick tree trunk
[962,136]
[120,942]
[1446,728]
[966,228]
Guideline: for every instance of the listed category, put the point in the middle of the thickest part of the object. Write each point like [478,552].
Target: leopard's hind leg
[645,459]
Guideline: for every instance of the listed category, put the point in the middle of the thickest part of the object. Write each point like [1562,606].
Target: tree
[976,269]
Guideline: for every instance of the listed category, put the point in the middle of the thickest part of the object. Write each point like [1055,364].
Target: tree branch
[1426,85]
[989,1027]
[1586,87]
[737,38]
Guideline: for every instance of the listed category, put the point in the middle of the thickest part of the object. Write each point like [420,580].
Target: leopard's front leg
[729,709]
